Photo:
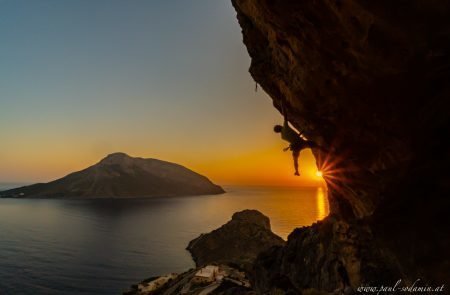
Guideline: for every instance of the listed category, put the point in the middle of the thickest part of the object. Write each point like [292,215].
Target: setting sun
[319,173]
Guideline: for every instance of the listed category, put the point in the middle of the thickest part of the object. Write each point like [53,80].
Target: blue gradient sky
[167,79]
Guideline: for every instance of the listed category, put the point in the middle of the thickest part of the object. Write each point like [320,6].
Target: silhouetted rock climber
[296,142]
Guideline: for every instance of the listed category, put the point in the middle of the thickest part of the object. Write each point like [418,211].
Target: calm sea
[104,246]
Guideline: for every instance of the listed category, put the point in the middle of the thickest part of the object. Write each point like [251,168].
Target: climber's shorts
[297,146]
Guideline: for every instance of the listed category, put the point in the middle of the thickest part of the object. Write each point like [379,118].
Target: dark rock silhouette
[368,81]
[119,175]
[238,242]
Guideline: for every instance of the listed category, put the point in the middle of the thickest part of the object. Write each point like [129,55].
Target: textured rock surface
[119,175]
[239,241]
[313,255]
[368,80]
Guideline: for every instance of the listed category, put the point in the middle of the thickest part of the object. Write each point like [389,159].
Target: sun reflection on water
[322,204]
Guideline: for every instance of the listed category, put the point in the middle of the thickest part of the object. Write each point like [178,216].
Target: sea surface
[103,246]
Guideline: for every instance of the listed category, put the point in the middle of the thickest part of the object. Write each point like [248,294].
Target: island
[120,176]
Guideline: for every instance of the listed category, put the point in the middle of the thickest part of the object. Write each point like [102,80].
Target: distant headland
[120,176]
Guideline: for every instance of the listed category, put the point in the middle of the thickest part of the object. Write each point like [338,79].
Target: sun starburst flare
[332,169]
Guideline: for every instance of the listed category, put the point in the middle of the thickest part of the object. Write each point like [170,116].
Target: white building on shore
[206,274]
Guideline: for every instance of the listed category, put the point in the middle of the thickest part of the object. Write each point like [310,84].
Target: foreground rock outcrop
[119,175]
[224,259]
[238,242]
[369,82]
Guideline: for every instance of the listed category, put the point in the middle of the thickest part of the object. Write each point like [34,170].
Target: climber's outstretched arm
[284,110]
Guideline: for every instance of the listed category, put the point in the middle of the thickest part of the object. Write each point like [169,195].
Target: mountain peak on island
[120,176]
[117,155]
[116,158]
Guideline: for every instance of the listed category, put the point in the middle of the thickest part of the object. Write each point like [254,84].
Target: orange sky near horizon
[266,166]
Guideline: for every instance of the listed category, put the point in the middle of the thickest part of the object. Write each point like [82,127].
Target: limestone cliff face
[368,81]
